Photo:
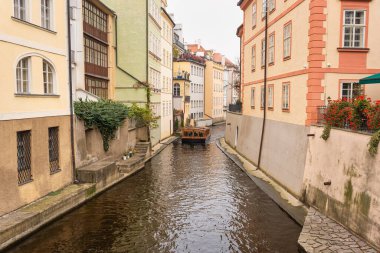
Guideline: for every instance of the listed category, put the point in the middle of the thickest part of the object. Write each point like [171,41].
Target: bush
[374,143]
[106,115]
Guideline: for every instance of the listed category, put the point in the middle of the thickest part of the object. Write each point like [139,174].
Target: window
[177,90]
[54,149]
[268,6]
[253,97]
[94,21]
[46,14]
[48,78]
[20,9]
[350,90]
[354,28]
[285,96]
[271,49]
[23,75]
[24,157]
[270,96]
[97,86]
[263,56]
[253,60]
[262,101]
[254,15]
[287,40]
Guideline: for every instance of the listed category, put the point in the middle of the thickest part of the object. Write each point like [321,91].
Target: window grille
[24,155]
[54,149]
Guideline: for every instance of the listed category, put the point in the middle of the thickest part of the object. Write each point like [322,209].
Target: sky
[212,22]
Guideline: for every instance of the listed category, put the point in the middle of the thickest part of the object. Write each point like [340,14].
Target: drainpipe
[265,87]
[72,140]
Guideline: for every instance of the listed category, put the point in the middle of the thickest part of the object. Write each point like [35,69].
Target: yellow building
[214,93]
[181,98]
[35,155]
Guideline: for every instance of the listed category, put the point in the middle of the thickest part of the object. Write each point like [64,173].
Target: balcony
[235,107]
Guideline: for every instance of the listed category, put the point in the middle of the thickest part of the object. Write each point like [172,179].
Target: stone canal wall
[343,181]
[284,148]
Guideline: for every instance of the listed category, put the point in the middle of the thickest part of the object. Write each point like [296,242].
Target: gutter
[72,139]
[265,89]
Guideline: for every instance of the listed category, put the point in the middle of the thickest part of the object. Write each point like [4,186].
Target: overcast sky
[213,22]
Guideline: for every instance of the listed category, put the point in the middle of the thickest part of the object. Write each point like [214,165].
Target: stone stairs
[142,149]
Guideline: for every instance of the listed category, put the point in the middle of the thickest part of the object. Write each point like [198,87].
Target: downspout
[71,94]
[265,88]
[148,92]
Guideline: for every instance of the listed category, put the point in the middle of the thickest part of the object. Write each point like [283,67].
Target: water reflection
[188,199]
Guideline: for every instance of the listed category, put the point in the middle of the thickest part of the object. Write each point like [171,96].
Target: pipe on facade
[265,89]
[72,139]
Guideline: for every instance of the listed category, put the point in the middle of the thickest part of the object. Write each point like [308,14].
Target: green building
[138,56]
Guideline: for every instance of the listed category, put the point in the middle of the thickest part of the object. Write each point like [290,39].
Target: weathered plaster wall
[89,143]
[12,195]
[284,148]
[354,194]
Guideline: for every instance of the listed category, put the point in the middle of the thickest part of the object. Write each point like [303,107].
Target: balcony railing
[235,108]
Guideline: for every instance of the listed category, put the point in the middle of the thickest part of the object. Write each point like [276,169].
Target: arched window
[23,75]
[177,90]
[48,78]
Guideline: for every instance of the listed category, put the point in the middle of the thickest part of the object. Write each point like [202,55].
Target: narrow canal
[187,199]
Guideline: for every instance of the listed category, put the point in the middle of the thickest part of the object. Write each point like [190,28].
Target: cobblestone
[321,234]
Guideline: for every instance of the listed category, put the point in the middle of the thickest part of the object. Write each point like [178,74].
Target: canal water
[187,199]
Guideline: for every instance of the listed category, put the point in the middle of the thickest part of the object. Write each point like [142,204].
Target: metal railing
[235,108]
[54,150]
[24,155]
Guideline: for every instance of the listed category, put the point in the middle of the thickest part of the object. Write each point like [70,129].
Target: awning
[370,79]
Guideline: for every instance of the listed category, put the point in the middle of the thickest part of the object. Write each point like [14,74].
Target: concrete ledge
[19,223]
[287,202]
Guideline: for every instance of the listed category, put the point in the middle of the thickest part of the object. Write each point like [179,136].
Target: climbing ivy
[326,132]
[143,115]
[374,143]
[106,115]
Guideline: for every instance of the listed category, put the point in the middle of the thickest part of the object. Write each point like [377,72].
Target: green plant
[143,116]
[326,132]
[374,143]
[106,115]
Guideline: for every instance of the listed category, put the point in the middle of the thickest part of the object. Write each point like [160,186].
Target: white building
[166,73]
[197,90]
[231,80]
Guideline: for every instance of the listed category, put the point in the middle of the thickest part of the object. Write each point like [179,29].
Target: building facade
[214,90]
[308,62]
[93,63]
[35,104]
[195,66]
[181,97]
[231,84]
[166,73]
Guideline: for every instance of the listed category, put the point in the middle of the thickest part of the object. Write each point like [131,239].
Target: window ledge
[55,171]
[352,49]
[33,25]
[26,182]
[285,110]
[36,95]
[287,58]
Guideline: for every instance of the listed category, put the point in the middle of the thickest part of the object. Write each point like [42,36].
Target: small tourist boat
[195,134]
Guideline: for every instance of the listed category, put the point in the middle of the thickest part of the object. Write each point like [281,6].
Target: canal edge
[296,213]
[23,223]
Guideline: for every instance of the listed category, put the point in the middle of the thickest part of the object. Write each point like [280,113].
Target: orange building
[315,50]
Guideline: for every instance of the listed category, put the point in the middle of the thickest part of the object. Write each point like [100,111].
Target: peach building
[35,152]
[316,50]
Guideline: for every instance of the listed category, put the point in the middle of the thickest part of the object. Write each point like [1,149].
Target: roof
[168,15]
[239,31]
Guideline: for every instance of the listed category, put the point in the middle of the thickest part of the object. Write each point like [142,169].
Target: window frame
[254,15]
[263,53]
[53,80]
[29,72]
[271,48]
[290,38]
[270,95]
[351,90]
[285,109]
[50,25]
[262,97]
[253,94]
[253,58]
[354,26]
[18,13]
